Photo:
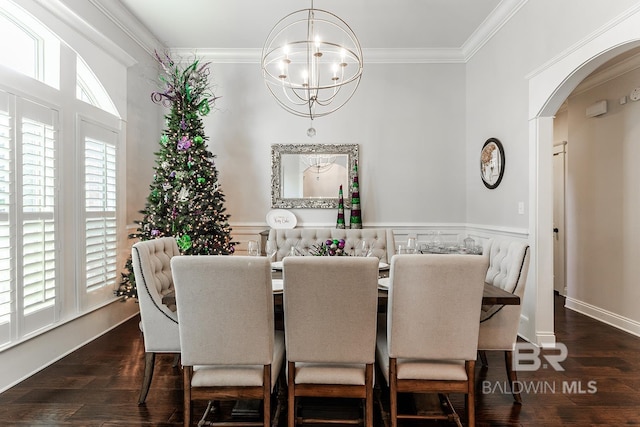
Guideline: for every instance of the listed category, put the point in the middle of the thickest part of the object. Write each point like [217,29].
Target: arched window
[90,90]
[58,190]
[26,45]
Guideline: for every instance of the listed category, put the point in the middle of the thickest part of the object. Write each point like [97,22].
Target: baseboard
[604,316]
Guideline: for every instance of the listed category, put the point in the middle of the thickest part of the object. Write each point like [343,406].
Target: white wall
[406,119]
[497,96]
[498,104]
[603,204]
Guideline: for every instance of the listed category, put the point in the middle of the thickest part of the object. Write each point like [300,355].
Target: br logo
[527,357]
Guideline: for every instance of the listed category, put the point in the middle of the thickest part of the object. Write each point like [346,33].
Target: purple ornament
[184,143]
[155,232]
[183,124]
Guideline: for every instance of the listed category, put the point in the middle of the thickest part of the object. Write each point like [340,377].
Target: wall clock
[492,163]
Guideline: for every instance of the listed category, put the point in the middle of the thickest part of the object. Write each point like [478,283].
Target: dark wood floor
[98,385]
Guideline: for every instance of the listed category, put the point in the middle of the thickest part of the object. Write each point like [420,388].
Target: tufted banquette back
[508,269]
[508,264]
[304,238]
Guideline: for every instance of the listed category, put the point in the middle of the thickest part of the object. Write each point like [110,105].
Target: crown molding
[219,55]
[128,24]
[371,56]
[412,56]
[490,26]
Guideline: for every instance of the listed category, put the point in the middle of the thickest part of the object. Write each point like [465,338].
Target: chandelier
[312,63]
[318,161]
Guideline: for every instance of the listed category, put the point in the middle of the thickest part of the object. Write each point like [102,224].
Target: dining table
[491,295]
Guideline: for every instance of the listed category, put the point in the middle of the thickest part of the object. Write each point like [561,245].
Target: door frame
[549,86]
[559,222]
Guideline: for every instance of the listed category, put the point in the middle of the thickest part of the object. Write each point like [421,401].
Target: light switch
[521,208]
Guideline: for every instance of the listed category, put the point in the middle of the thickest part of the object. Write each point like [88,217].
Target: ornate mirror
[310,175]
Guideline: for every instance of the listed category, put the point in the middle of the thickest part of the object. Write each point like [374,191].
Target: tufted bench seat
[304,239]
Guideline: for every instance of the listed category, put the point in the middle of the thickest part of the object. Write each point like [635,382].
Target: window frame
[72,299]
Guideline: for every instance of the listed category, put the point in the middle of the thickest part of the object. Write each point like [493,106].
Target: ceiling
[379,24]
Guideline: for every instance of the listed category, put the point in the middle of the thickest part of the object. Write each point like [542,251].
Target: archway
[549,86]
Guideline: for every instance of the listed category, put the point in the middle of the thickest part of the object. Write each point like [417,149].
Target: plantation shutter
[100,156]
[37,184]
[6,294]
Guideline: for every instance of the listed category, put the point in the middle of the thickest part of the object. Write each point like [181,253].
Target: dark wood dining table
[491,295]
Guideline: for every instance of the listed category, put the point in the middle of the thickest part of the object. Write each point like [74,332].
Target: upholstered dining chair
[330,315]
[430,342]
[151,261]
[229,347]
[508,269]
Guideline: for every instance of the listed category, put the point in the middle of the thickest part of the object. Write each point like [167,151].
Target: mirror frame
[277,150]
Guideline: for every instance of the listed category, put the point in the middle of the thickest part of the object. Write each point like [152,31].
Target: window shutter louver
[100,204]
[6,294]
[38,222]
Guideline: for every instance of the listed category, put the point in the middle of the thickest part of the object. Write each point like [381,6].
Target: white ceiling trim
[370,56]
[129,24]
[490,26]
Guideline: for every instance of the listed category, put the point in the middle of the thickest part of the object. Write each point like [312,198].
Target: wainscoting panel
[450,234]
